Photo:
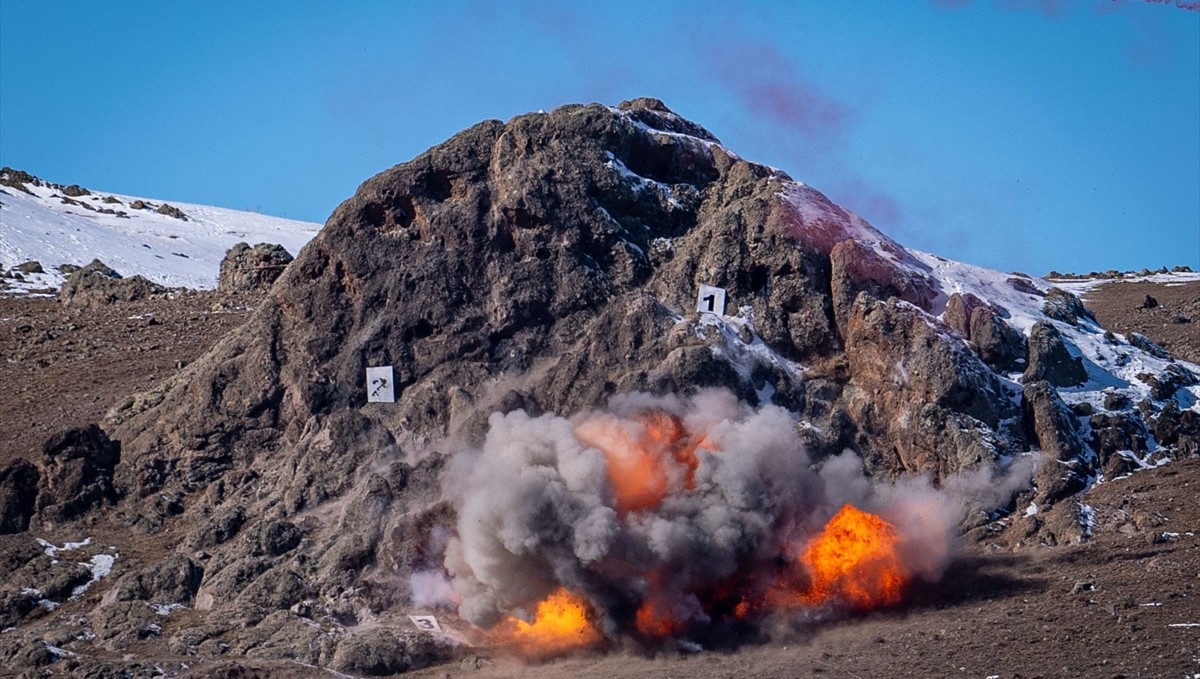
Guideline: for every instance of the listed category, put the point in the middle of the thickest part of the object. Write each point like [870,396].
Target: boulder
[999,344]
[97,285]
[1066,307]
[1050,360]
[252,269]
[1066,464]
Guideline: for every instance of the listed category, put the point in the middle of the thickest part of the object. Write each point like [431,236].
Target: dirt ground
[1124,604]
[1174,322]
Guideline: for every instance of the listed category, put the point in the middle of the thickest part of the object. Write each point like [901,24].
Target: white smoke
[432,589]
[537,509]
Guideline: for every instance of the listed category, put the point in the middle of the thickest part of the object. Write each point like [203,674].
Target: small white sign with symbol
[711,300]
[380,387]
[425,623]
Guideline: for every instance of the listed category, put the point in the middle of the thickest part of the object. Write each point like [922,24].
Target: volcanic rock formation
[548,264]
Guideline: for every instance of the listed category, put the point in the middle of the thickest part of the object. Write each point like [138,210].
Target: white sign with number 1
[710,300]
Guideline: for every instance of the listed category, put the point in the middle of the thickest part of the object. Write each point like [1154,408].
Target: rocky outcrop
[1066,464]
[97,285]
[1049,359]
[77,473]
[1063,306]
[18,491]
[1000,345]
[252,269]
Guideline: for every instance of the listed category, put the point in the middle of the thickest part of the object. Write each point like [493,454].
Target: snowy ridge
[170,251]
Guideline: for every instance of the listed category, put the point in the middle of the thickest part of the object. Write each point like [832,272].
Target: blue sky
[1017,134]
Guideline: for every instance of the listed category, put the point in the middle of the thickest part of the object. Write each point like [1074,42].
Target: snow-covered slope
[1112,363]
[54,229]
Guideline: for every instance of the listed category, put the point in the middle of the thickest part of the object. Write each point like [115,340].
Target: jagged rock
[896,357]
[17,179]
[1111,435]
[222,526]
[278,588]
[1063,306]
[246,268]
[1164,385]
[97,284]
[1049,359]
[999,344]
[959,309]
[124,623]
[1064,470]
[1148,345]
[1178,429]
[272,538]
[77,468]
[1116,401]
[18,492]
[32,266]
[1024,284]
[171,581]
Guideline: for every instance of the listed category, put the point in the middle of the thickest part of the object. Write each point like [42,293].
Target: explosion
[561,624]
[664,518]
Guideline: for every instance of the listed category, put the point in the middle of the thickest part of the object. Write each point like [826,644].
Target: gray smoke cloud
[729,497]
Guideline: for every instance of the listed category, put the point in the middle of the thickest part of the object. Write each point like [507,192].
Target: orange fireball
[562,624]
[855,560]
[648,458]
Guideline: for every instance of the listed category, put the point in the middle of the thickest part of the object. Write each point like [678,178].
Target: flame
[562,624]
[654,620]
[855,560]
[648,457]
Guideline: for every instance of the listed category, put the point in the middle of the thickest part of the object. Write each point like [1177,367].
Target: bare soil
[1124,604]
[1174,323]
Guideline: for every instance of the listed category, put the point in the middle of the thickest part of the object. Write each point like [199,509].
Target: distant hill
[170,243]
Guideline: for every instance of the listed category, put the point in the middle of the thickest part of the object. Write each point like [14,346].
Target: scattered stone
[32,266]
[171,211]
[1148,303]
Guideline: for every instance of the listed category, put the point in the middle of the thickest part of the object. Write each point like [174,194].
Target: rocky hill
[553,265]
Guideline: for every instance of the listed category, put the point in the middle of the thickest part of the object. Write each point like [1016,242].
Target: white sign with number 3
[425,623]
[710,300]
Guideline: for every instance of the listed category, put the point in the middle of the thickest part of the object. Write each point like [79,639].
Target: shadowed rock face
[545,263]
